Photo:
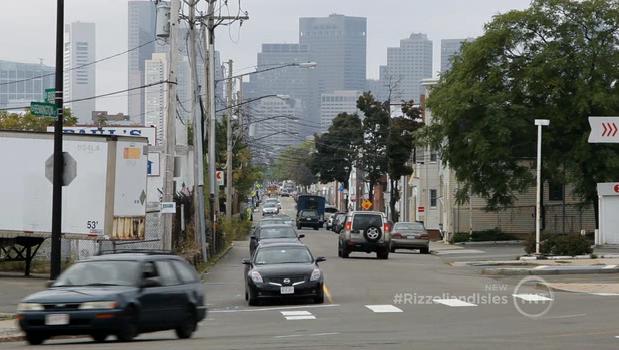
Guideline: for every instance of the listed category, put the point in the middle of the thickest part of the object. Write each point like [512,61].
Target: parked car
[365,231]
[275,201]
[338,222]
[330,211]
[308,217]
[283,270]
[279,232]
[277,219]
[270,209]
[410,235]
[116,294]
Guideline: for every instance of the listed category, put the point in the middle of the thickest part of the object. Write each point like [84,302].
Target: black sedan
[266,233]
[120,294]
[283,270]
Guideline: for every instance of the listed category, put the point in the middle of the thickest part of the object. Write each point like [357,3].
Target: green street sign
[43,109]
[50,95]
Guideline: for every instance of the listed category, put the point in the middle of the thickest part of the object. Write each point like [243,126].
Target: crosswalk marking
[453,302]
[531,297]
[383,308]
[298,315]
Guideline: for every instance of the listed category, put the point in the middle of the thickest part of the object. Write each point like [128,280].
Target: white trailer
[105,197]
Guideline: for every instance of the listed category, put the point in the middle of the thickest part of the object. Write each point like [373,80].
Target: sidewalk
[9,331]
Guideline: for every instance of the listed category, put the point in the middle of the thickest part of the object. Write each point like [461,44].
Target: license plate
[57,319]
[287,290]
[308,219]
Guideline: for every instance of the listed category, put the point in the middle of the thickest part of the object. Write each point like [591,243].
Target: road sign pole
[539,123]
[58,157]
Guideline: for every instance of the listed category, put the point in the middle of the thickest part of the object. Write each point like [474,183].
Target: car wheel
[99,337]
[189,324]
[316,228]
[372,233]
[382,254]
[320,298]
[252,300]
[345,252]
[392,250]
[424,250]
[130,329]
[35,338]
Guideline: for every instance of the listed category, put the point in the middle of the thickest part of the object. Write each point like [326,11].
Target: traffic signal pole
[55,257]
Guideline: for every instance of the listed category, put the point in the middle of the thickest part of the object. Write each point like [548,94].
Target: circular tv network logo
[533,297]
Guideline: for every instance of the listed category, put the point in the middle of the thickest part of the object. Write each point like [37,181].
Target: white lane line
[274,308]
[609,267]
[296,313]
[541,267]
[453,302]
[321,334]
[564,316]
[305,335]
[288,336]
[383,308]
[531,297]
[295,318]
[605,294]
[459,251]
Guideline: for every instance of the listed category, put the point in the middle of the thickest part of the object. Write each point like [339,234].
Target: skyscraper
[79,80]
[407,65]
[292,81]
[332,104]
[338,44]
[141,29]
[274,133]
[20,94]
[155,96]
[450,47]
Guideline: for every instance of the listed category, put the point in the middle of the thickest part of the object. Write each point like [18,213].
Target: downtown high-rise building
[407,66]
[338,44]
[79,80]
[334,103]
[141,36]
[449,48]
[22,83]
[156,70]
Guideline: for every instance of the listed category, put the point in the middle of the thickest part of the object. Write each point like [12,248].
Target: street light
[540,123]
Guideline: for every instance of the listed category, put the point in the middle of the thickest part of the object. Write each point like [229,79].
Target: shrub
[235,229]
[491,235]
[460,237]
[559,244]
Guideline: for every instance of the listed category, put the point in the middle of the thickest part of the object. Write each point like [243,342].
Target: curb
[565,257]
[551,270]
[11,338]
[514,242]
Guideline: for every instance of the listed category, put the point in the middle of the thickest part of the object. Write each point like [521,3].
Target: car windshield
[277,232]
[308,213]
[99,273]
[331,210]
[270,205]
[408,226]
[283,255]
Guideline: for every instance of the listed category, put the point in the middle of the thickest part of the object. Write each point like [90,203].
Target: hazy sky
[28,29]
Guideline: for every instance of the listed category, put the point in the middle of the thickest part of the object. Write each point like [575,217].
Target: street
[384,304]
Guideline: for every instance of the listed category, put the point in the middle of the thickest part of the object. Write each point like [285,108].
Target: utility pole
[198,168]
[212,119]
[170,132]
[229,143]
[58,156]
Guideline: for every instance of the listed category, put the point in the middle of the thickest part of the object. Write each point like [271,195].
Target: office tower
[21,93]
[277,128]
[449,48]
[79,79]
[332,104]
[407,65]
[156,69]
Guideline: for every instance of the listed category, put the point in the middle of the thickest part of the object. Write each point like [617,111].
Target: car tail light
[396,235]
[424,236]
[386,227]
[348,226]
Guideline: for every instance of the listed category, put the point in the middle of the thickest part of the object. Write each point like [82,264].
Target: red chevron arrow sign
[604,130]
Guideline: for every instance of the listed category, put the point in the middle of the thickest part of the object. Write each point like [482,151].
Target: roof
[290,243]
[145,255]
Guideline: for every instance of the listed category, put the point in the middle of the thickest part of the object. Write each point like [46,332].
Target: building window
[433,198]
[433,155]
[555,191]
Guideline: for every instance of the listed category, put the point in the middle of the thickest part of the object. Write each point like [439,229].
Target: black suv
[308,217]
[123,294]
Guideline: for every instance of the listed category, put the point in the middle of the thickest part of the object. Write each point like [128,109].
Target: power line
[80,66]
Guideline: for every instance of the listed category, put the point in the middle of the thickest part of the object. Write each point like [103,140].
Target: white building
[408,65]
[332,104]
[79,82]
[155,70]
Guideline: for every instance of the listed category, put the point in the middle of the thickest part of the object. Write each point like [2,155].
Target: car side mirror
[321,259]
[151,282]
[302,235]
[245,261]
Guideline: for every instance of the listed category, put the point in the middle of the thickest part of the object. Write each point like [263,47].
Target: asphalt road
[405,302]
